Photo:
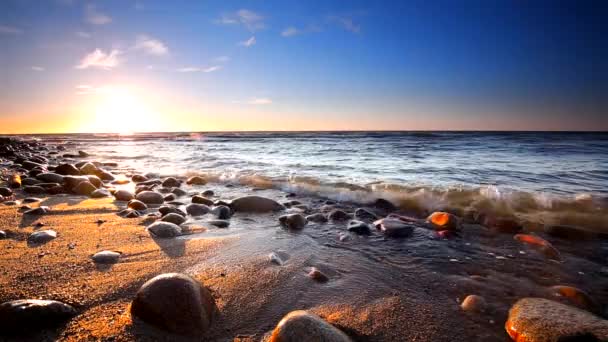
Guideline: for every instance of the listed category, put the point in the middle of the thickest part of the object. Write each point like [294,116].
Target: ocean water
[507,171]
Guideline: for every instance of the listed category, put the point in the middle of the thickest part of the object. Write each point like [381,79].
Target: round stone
[365,215]
[106,257]
[171,182]
[358,227]
[196,180]
[222,212]
[41,237]
[164,229]
[303,326]
[255,204]
[394,228]
[196,209]
[136,205]
[338,215]
[474,303]
[174,218]
[84,188]
[150,197]
[100,193]
[33,314]
[318,218]
[201,200]
[293,221]
[443,221]
[50,177]
[123,195]
[67,169]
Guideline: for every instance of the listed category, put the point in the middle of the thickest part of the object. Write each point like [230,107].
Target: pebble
[196,180]
[171,182]
[201,200]
[222,212]
[169,198]
[106,257]
[129,213]
[174,218]
[29,315]
[443,221]
[276,259]
[176,303]
[136,205]
[41,210]
[293,221]
[42,236]
[474,303]
[84,188]
[358,227]
[317,275]
[196,209]
[50,177]
[164,229]
[123,195]
[67,169]
[255,204]
[15,181]
[338,215]
[365,215]
[150,197]
[539,244]
[303,326]
[394,227]
[317,217]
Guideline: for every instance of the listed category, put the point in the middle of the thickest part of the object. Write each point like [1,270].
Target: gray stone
[106,257]
[365,215]
[123,195]
[84,188]
[50,177]
[222,212]
[29,315]
[208,193]
[164,229]
[358,227]
[303,326]
[139,178]
[196,209]
[171,182]
[318,217]
[136,205]
[41,210]
[150,197]
[201,200]
[179,192]
[255,204]
[338,215]
[174,218]
[42,236]
[293,221]
[164,210]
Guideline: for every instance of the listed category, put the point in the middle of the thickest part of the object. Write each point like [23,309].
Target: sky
[142,65]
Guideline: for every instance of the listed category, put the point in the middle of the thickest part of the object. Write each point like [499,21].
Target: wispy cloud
[151,46]
[294,31]
[199,69]
[249,42]
[250,19]
[37,68]
[260,101]
[346,22]
[84,89]
[83,34]
[100,59]
[290,31]
[4,29]
[95,17]
[222,59]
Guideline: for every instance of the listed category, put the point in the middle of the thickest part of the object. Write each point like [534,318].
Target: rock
[164,229]
[255,204]
[222,212]
[50,177]
[196,180]
[11,203]
[29,165]
[41,210]
[129,213]
[71,182]
[443,221]
[201,200]
[317,275]
[276,259]
[208,193]
[536,320]
[67,169]
[84,188]
[540,245]
[318,218]
[14,181]
[106,257]
[293,221]
[176,303]
[139,178]
[2,234]
[219,223]
[1,198]
[29,181]
[42,236]
[394,228]
[384,205]
[474,303]
[338,215]
[88,169]
[6,192]
[34,189]
[27,315]
[576,297]
[83,154]
[31,200]
[358,227]
[150,197]
[100,193]
[171,182]
[365,215]
[179,192]
[169,198]
[303,326]
[95,181]
[121,182]
[152,175]
[196,209]
[123,195]
[174,218]
[105,175]
[164,210]
[137,205]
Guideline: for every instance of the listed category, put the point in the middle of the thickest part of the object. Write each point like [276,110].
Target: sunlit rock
[474,303]
[106,257]
[33,314]
[50,177]
[255,204]
[164,229]
[84,188]
[201,200]
[196,180]
[137,205]
[443,221]
[150,197]
[42,236]
[303,326]
[196,209]
[67,169]
[174,218]
[576,297]
[539,244]
[171,182]
[293,221]
[123,195]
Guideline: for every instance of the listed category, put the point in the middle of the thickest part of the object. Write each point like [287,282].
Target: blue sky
[72,65]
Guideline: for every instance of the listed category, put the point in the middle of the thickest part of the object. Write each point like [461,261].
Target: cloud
[347,23]
[95,17]
[249,42]
[260,101]
[84,89]
[198,69]
[37,68]
[151,46]
[290,31]
[83,34]
[100,59]
[222,59]
[10,30]
[251,20]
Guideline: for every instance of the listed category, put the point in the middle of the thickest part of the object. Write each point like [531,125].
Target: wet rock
[67,169]
[137,205]
[384,205]
[29,165]
[443,221]
[179,192]
[100,193]
[171,182]
[293,221]
[105,175]
[338,215]
[394,228]
[29,181]
[196,180]
[255,204]
[41,210]
[6,192]
[88,169]
[165,210]
[123,195]
[84,188]
[169,198]
[2,234]
[174,218]
[358,227]
[318,218]
[11,203]
[29,315]
[121,182]
[317,275]
[208,193]
[106,257]
[71,182]
[164,229]
[129,213]
[365,215]
[222,212]
[150,197]
[536,320]
[50,177]
[276,259]
[95,181]
[576,297]
[139,178]
[202,200]
[303,326]
[474,303]
[175,302]
[83,154]
[540,244]
[31,200]
[219,223]
[34,189]
[196,209]
[42,236]
[508,225]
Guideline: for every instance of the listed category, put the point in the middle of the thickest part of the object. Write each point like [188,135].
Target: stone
[179,192]
[27,315]
[257,204]
[174,218]
[105,175]
[443,221]
[152,175]
[129,213]
[139,178]
[31,200]
[67,169]
[34,189]
[317,217]
[201,200]
[540,244]
[136,205]
[50,177]
[222,212]
[121,182]
[176,303]
[196,209]
[317,275]
[303,326]
[164,229]
[338,215]
[71,182]
[208,193]
[293,221]
[88,169]
[358,227]
[474,303]
[6,192]
[14,181]
[41,210]
[365,215]
[95,181]
[31,165]
[576,297]
[100,193]
[123,195]
[394,228]
[219,223]
[196,180]
[30,181]
[171,182]
[276,259]
[84,188]
[384,205]
[164,210]
[2,234]
[83,154]
[543,320]
[42,236]
[150,197]
[106,257]
[169,198]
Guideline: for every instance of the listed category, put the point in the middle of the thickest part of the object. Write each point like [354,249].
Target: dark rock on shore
[38,211]
[6,192]
[303,326]
[42,236]
[474,303]
[136,205]
[50,177]
[164,229]
[150,197]
[222,212]
[84,188]
[318,218]
[123,195]
[179,192]
[34,189]
[2,234]
[317,275]
[196,209]
[165,210]
[201,200]
[26,315]
[358,227]
[106,257]
[129,213]
[88,169]
[100,193]
[175,302]
[208,193]
[255,204]
[219,223]
[171,182]
[139,178]
[384,205]
[293,221]
[338,215]
[67,169]
[365,215]
[174,218]
[394,228]
[196,180]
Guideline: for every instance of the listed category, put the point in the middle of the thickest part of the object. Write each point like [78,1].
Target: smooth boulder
[33,314]
[150,197]
[106,257]
[123,195]
[136,205]
[257,204]
[174,218]
[67,170]
[196,180]
[50,177]
[201,200]
[164,229]
[303,326]
[84,188]
[40,237]
[293,221]
[196,209]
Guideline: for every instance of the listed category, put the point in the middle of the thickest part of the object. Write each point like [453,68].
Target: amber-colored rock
[474,303]
[443,221]
[539,244]
[576,297]
[303,326]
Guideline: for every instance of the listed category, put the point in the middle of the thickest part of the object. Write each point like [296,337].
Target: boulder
[27,315]
[67,169]
[150,197]
[358,227]
[201,200]
[164,229]
[365,215]
[123,195]
[50,177]
[176,303]
[84,188]
[255,204]
[196,209]
[171,182]
[338,215]
[394,228]
[303,326]
[106,257]
[136,205]
[42,236]
[174,218]
[196,180]
[293,221]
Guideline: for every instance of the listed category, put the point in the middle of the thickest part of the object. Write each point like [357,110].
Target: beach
[376,269]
